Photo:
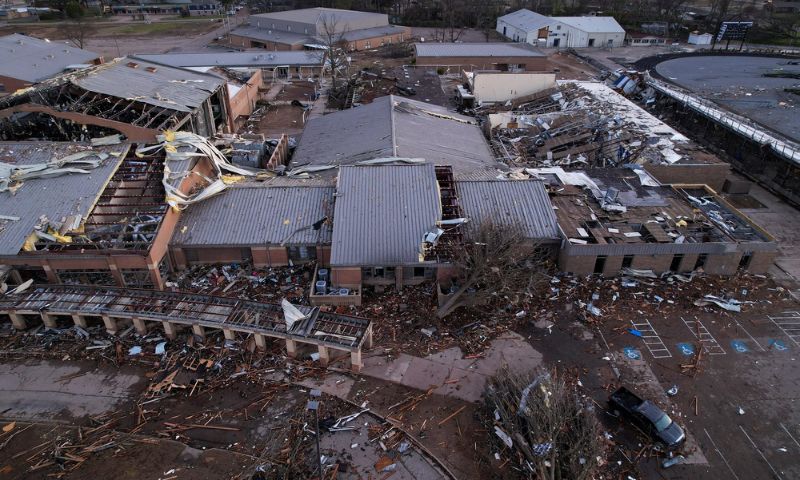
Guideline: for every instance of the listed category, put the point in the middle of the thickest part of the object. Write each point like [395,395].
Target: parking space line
[790,435]
[789,325]
[651,339]
[700,332]
[750,336]
[736,477]
[777,475]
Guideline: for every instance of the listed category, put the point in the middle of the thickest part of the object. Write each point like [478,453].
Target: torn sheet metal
[181,148]
[291,314]
[391,161]
[12,176]
[730,305]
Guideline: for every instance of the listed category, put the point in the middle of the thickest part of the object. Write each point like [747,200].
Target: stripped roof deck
[336,331]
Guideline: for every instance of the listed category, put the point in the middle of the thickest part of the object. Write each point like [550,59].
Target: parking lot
[739,406]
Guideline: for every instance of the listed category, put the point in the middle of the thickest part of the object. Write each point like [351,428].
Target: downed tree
[497,260]
[542,422]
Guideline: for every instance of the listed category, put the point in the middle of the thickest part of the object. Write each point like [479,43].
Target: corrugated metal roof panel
[257,215]
[55,197]
[382,213]
[237,59]
[169,87]
[33,60]
[522,203]
[499,49]
[593,24]
[395,126]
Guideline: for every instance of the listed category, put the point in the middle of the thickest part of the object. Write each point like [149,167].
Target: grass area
[159,28]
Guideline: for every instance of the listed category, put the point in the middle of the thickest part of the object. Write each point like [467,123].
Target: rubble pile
[245,281]
[641,292]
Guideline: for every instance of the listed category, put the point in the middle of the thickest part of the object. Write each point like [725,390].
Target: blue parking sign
[632,353]
[778,345]
[686,349]
[739,346]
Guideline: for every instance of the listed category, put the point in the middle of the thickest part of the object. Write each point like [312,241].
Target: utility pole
[314,405]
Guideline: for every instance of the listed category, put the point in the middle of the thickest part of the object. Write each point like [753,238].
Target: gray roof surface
[33,60]
[399,127]
[169,87]
[55,197]
[236,59]
[500,49]
[257,215]
[522,203]
[311,15]
[382,213]
[593,24]
[527,20]
[276,36]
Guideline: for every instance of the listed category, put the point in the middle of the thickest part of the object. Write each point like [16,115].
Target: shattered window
[86,277]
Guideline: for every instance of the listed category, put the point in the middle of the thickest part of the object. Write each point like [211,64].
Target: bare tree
[335,46]
[552,430]
[497,261]
[77,28]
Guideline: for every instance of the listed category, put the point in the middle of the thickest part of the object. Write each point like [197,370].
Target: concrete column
[199,331]
[112,266]
[110,323]
[368,337]
[79,320]
[324,355]
[229,334]
[139,325]
[355,361]
[49,320]
[18,321]
[170,330]
[261,342]
[291,348]
[398,278]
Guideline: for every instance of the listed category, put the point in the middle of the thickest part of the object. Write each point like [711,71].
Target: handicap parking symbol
[632,353]
[739,346]
[686,349]
[778,345]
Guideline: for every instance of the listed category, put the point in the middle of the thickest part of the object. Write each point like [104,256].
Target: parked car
[648,417]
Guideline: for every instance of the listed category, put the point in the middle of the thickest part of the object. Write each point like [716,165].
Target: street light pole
[314,405]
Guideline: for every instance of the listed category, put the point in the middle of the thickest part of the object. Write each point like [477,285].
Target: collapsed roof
[128,95]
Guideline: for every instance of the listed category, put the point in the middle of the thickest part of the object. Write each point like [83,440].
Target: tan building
[505,57]
[314,27]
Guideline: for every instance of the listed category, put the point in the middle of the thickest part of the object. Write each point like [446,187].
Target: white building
[561,32]
[697,38]
[487,87]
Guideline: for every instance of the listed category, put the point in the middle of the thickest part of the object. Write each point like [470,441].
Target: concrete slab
[439,370]
[44,389]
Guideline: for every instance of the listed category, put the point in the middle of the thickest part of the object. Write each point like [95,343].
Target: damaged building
[129,96]
[590,125]
[393,127]
[73,213]
[622,218]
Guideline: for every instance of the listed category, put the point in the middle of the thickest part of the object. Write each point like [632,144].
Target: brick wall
[724,264]
[761,261]
[656,263]
[345,276]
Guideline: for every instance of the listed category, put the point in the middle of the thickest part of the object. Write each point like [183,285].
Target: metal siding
[168,87]
[382,213]
[55,197]
[35,60]
[256,215]
[524,203]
